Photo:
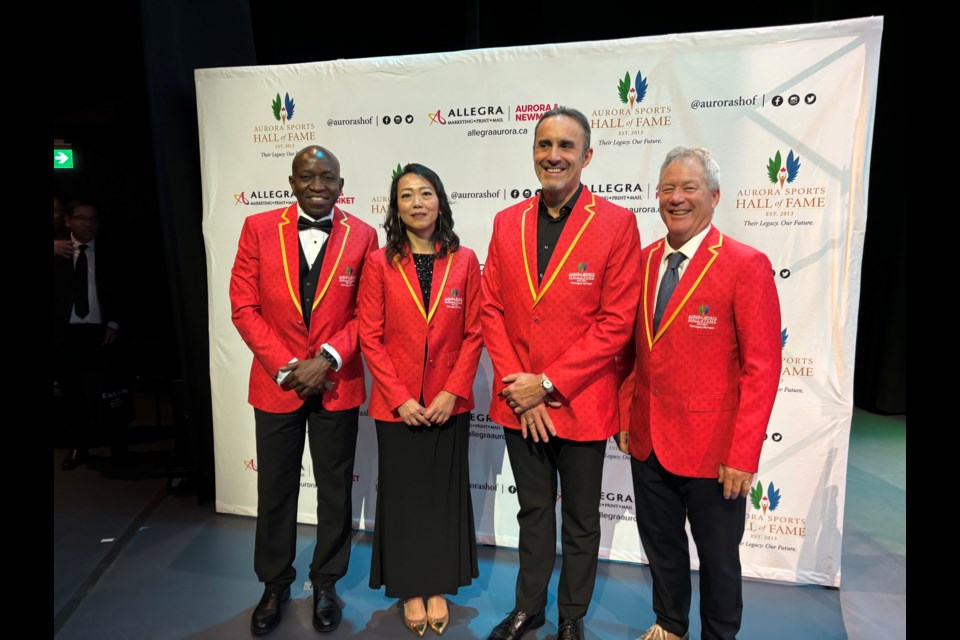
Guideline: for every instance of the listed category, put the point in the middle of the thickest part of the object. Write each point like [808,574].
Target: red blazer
[704,385]
[265,297]
[572,324]
[396,330]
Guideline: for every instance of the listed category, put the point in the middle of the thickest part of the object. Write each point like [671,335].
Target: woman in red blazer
[419,316]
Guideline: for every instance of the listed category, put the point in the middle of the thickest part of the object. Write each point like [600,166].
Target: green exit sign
[63,158]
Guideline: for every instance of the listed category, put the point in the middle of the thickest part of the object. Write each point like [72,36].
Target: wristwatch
[329,358]
[545,383]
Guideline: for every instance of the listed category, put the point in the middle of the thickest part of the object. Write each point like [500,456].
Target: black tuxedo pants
[664,502]
[280,441]
[535,468]
[84,361]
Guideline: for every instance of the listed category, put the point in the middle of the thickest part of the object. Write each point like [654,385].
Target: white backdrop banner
[788,113]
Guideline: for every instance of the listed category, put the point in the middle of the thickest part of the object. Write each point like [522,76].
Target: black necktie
[325,225]
[81,296]
[667,285]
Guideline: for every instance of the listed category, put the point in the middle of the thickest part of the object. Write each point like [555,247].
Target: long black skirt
[424,541]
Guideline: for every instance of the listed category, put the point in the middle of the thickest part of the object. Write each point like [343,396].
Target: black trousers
[84,363]
[535,468]
[664,502]
[280,442]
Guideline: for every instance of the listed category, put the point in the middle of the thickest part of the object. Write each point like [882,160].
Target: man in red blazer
[705,378]
[560,295]
[293,293]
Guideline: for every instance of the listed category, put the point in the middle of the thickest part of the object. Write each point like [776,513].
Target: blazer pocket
[452,358]
[714,402]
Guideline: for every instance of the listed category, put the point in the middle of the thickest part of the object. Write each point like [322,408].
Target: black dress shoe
[326,610]
[516,625]
[74,459]
[570,629]
[267,614]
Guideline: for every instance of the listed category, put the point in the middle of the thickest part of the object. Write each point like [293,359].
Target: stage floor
[132,560]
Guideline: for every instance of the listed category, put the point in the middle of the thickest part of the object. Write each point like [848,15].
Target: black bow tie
[325,225]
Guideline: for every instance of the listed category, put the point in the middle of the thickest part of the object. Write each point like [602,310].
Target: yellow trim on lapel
[523,247]
[646,295]
[413,294]
[283,256]
[713,250]
[333,271]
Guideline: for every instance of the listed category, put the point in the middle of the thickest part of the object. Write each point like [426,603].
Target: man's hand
[523,391]
[537,423]
[63,248]
[623,441]
[736,483]
[110,336]
[411,412]
[440,409]
[307,377]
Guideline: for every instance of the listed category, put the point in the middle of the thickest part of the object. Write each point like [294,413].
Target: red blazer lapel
[651,271]
[408,273]
[580,218]
[290,253]
[441,273]
[528,246]
[333,253]
[692,276]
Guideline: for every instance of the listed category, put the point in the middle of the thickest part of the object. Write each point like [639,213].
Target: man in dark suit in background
[85,329]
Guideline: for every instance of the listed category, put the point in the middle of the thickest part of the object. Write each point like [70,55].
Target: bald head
[316,181]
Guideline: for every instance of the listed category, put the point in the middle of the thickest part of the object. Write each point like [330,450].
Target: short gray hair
[710,167]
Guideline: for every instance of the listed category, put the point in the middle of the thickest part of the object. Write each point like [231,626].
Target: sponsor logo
[478,114]
[261,197]
[483,427]
[777,171]
[581,277]
[281,134]
[619,498]
[454,300]
[767,525]
[632,92]
[632,123]
[532,112]
[380,204]
[794,367]
[349,278]
[250,465]
[702,319]
[783,202]
[282,111]
[769,500]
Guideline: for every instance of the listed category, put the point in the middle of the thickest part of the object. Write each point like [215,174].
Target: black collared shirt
[549,230]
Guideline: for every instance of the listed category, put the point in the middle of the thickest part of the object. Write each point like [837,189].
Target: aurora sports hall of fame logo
[778,171]
[632,92]
[768,501]
[282,111]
